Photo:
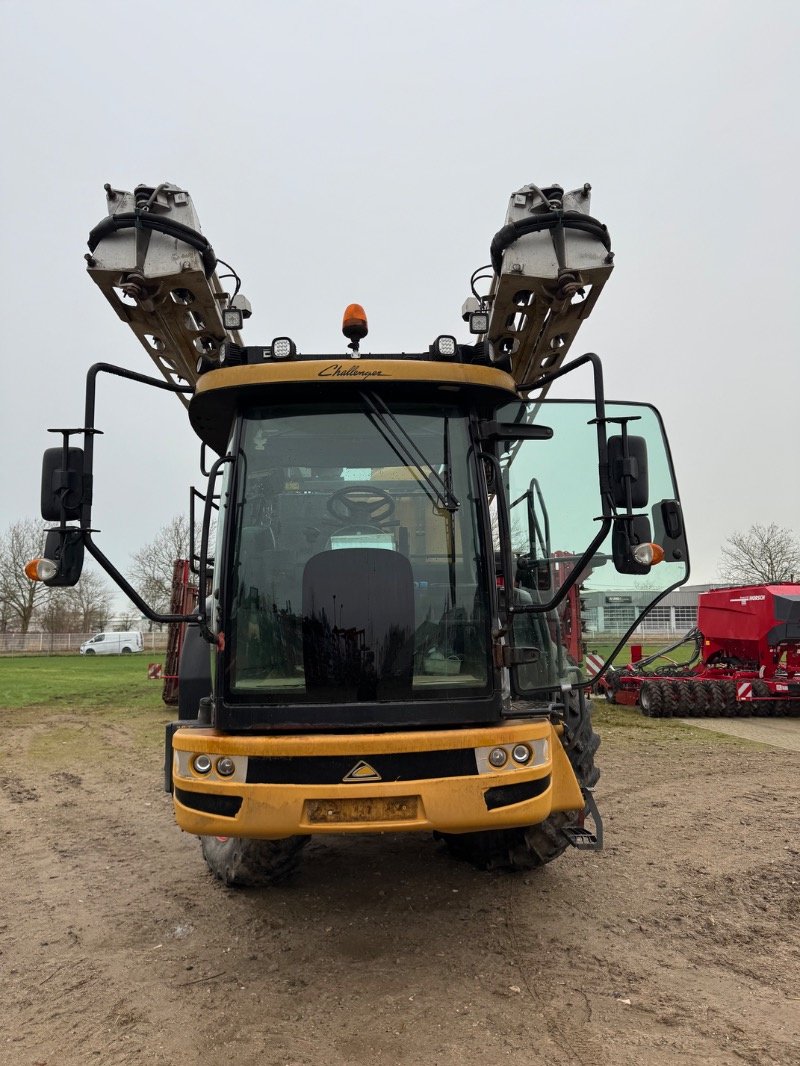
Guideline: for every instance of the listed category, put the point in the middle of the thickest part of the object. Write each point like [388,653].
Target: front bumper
[485,798]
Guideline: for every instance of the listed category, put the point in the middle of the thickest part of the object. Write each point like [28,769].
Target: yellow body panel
[447,804]
[354,370]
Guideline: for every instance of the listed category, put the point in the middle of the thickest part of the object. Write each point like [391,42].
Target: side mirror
[62,486]
[65,548]
[628,532]
[627,466]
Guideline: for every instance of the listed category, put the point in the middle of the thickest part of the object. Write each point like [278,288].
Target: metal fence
[65,643]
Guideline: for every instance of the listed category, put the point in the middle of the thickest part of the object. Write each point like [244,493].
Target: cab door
[581,507]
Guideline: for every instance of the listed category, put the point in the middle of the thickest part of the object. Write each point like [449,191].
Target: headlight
[226,766]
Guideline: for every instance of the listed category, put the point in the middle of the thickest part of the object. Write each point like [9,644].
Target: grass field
[630,722]
[103,705]
[106,703]
[88,681]
[113,681]
[679,655]
[119,686]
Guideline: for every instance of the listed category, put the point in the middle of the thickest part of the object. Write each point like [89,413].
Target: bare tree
[80,609]
[153,564]
[519,536]
[91,602]
[56,613]
[761,555]
[21,597]
[127,620]
[5,611]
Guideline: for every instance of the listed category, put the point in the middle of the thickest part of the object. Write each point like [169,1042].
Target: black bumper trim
[505,795]
[209,802]
[334,769]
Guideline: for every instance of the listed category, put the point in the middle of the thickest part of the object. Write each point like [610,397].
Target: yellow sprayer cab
[394,548]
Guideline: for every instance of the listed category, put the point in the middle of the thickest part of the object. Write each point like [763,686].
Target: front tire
[532,846]
[242,862]
[90,651]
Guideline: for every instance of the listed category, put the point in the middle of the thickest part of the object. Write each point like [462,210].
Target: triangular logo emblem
[362,771]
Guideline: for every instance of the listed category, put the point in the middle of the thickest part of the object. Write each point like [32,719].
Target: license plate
[383,809]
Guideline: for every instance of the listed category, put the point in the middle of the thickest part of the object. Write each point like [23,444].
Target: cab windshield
[357,560]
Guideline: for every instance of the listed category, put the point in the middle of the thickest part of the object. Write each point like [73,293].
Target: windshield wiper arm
[399,440]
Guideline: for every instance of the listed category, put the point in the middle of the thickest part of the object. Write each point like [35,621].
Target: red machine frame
[748,643]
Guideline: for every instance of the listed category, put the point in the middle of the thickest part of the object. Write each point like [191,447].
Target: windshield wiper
[437,490]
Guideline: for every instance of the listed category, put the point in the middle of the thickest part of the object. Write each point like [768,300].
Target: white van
[113,644]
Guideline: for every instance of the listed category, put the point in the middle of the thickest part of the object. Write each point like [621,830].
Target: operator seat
[358,625]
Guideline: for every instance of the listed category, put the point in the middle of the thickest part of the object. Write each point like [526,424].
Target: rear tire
[671,698]
[242,862]
[732,707]
[763,709]
[715,698]
[126,651]
[684,704]
[698,699]
[532,846]
[651,699]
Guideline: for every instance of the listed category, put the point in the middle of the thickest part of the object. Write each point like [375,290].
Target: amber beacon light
[354,325]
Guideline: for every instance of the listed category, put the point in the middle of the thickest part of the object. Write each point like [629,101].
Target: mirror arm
[89,431]
[84,529]
[603,473]
[540,608]
[599,417]
[127,588]
[597,369]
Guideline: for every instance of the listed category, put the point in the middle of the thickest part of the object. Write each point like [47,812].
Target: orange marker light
[658,554]
[40,569]
[354,322]
[648,554]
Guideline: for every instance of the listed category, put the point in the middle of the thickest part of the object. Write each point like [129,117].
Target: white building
[614,612]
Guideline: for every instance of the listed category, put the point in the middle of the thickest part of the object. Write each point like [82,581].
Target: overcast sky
[349,151]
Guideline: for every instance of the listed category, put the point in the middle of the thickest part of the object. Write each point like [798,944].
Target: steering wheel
[360,504]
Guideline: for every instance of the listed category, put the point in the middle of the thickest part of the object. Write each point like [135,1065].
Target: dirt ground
[678,944]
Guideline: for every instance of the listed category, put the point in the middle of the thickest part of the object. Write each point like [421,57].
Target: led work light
[283,348]
[445,347]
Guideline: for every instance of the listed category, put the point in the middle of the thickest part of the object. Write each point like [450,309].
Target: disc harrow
[701,697]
